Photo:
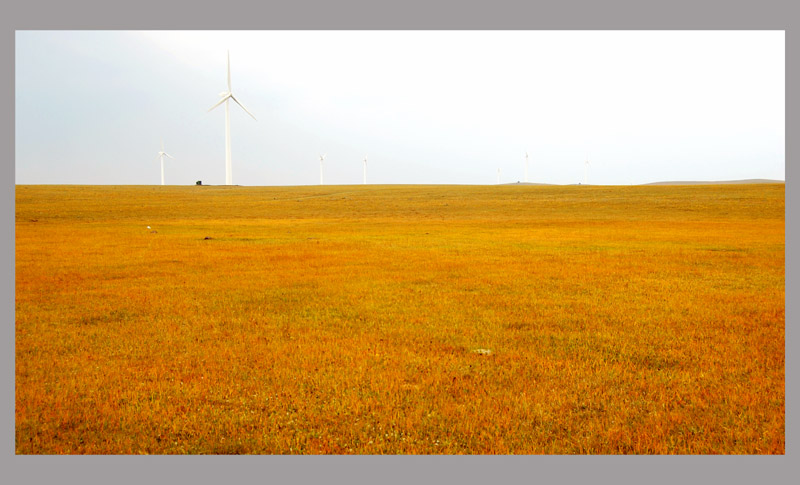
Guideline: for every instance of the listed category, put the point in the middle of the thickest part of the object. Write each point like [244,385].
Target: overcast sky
[444,107]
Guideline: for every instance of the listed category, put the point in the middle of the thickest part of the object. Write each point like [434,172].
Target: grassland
[349,319]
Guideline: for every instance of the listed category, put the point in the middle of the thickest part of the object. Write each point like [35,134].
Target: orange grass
[345,319]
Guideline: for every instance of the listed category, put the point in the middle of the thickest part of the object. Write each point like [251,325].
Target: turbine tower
[498,176]
[321,159]
[161,155]
[526,167]
[365,170]
[226,97]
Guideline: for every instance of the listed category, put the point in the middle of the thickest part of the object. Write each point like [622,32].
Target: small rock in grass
[483,351]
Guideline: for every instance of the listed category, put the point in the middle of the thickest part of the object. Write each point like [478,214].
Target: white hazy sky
[444,107]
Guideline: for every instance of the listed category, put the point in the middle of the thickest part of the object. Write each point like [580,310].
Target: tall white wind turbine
[526,167]
[498,176]
[161,155]
[227,96]
[365,170]
[321,160]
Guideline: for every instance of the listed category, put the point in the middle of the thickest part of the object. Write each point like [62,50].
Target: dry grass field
[400,319]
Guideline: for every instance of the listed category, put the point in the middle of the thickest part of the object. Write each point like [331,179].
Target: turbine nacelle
[227,96]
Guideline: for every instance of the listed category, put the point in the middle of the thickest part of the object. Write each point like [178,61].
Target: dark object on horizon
[199,182]
[207,238]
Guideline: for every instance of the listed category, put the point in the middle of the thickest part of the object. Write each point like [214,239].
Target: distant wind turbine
[498,176]
[227,96]
[161,155]
[586,171]
[526,167]
[321,160]
[365,170]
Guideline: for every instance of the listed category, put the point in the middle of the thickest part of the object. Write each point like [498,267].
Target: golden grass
[352,319]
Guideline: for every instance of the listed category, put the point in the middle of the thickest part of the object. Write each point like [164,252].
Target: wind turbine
[586,171]
[498,176]
[321,159]
[161,155]
[227,96]
[526,167]
[365,170]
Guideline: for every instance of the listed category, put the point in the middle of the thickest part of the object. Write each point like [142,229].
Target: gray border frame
[373,15]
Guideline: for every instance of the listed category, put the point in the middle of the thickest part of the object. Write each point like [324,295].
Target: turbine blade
[219,102]
[229,71]
[170,156]
[240,104]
